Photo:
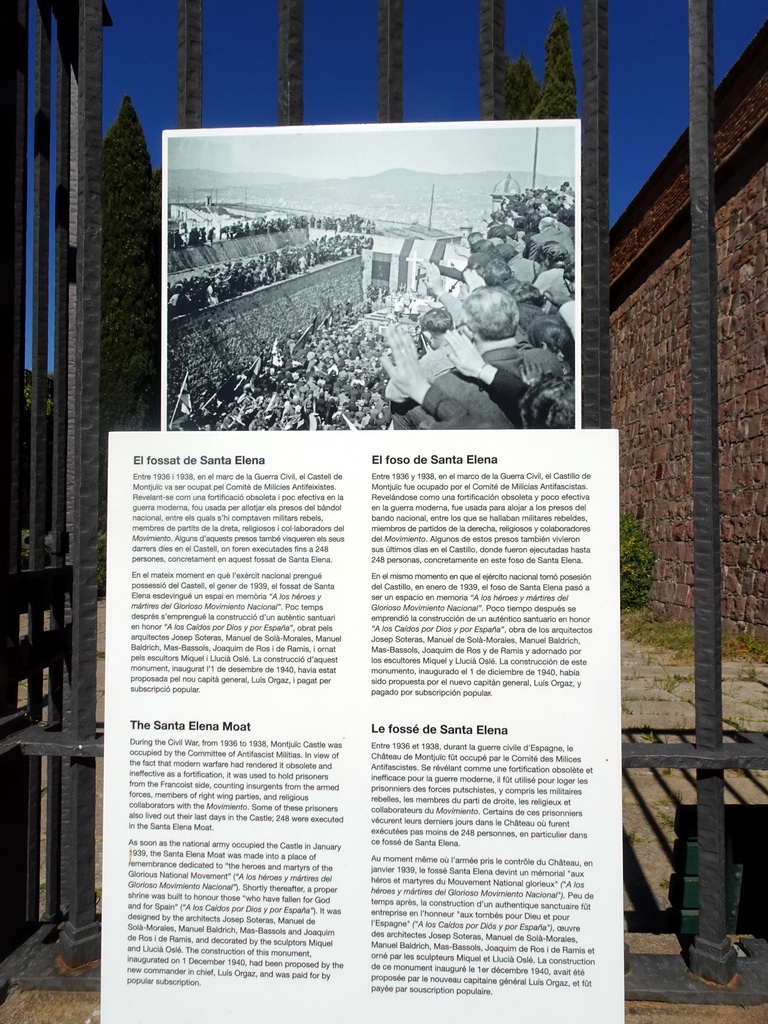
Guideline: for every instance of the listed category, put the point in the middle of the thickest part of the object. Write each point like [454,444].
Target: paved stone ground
[657,704]
[75,1008]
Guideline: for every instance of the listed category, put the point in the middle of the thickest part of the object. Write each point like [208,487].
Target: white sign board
[362,721]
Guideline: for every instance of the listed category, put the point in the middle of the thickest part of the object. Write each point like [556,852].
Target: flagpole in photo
[182,400]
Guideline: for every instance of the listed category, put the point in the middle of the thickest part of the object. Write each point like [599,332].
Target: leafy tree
[130,334]
[522,89]
[637,561]
[157,243]
[558,93]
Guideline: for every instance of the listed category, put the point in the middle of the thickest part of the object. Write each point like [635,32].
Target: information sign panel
[362,720]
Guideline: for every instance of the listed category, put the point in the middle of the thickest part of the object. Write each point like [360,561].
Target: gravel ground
[51,1008]
[83,1008]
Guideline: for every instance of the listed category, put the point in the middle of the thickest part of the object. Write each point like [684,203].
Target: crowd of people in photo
[339,386]
[202,234]
[184,235]
[228,280]
[499,349]
[353,222]
[328,378]
[490,344]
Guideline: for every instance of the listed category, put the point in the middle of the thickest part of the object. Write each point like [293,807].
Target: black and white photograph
[372,277]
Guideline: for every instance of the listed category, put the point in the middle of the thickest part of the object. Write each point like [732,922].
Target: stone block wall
[743,349]
[650,326]
[652,408]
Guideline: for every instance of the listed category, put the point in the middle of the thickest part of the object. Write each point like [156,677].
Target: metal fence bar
[17,333]
[32,882]
[13,99]
[63,275]
[390,61]
[38,433]
[80,932]
[53,825]
[189,91]
[73,127]
[704,390]
[75,453]
[290,62]
[595,272]
[595,288]
[712,955]
[71,17]
[492,60]
[40,255]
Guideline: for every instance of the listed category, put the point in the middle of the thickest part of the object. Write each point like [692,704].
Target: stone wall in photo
[192,257]
[214,342]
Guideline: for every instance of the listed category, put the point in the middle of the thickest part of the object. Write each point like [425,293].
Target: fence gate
[49,736]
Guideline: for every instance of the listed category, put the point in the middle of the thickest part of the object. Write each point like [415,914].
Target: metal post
[189,89]
[40,253]
[39,419]
[290,62]
[17,63]
[67,832]
[712,956]
[13,121]
[32,881]
[595,284]
[80,933]
[390,61]
[492,60]
[63,278]
[38,442]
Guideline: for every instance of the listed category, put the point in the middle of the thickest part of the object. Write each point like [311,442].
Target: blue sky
[648,65]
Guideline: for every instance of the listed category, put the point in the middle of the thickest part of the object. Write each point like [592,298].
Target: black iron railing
[49,739]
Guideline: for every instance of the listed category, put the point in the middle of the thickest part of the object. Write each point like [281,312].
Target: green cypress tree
[558,93]
[130,332]
[522,89]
